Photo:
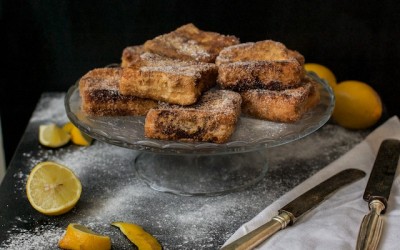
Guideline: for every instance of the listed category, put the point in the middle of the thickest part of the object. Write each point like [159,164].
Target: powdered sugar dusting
[155,63]
[102,78]
[40,237]
[190,43]
[55,112]
[267,50]
[194,50]
[113,192]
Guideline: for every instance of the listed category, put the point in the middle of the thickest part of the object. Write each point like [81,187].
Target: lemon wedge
[50,135]
[80,138]
[67,127]
[77,136]
[138,236]
[52,188]
[79,237]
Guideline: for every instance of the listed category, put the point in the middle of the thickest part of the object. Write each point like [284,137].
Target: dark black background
[48,45]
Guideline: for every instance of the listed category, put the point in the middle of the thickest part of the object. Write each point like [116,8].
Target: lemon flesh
[50,135]
[53,189]
[79,237]
[138,236]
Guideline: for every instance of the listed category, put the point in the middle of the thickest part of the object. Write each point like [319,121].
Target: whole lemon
[323,72]
[358,105]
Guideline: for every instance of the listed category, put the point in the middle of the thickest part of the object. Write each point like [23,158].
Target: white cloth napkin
[335,223]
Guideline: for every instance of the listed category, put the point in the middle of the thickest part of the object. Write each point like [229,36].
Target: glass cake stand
[201,168]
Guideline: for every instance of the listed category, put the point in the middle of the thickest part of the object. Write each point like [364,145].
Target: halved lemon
[52,188]
[138,236]
[50,135]
[80,237]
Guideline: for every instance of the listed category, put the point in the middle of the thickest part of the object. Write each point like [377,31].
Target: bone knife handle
[371,227]
[260,234]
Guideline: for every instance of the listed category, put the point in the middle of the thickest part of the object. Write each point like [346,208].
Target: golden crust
[265,64]
[168,79]
[131,55]
[190,43]
[287,105]
[165,79]
[212,119]
[299,57]
[101,97]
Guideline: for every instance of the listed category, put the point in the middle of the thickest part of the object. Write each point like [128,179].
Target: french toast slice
[287,105]
[212,119]
[265,65]
[169,80]
[99,90]
[190,43]
[131,55]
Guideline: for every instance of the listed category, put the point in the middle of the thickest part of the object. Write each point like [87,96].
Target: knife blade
[377,193]
[290,213]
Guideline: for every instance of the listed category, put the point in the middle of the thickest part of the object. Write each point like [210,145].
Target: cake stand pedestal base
[201,174]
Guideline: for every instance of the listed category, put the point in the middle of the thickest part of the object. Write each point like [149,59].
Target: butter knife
[377,194]
[290,213]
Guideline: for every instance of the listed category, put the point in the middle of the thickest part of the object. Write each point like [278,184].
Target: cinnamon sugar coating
[131,55]
[169,80]
[99,90]
[190,43]
[212,119]
[287,105]
[265,64]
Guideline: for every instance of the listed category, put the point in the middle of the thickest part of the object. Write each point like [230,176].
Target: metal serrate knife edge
[383,172]
[290,213]
[321,192]
[377,194]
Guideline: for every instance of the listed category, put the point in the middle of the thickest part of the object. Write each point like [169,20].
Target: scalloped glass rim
[250,134]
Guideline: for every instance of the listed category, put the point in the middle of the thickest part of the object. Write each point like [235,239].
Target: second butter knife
[377,194]
[290,213]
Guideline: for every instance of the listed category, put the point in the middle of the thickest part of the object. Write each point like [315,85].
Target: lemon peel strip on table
[79,237]
[138,236]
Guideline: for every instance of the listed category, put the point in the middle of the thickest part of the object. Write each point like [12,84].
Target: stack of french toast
[192,85]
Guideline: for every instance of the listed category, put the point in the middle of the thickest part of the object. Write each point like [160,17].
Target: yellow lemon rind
[323,72]
[82,238]
[138,236]
[358,105]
